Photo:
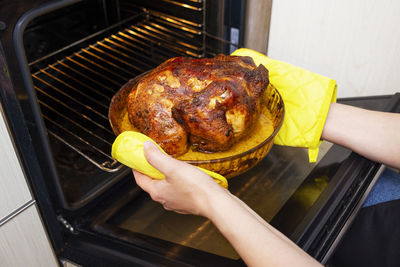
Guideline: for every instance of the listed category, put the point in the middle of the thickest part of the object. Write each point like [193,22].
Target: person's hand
[185,188]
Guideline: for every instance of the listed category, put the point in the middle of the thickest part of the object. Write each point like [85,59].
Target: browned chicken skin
[210,103]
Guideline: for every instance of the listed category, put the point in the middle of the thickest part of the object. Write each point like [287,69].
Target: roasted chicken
[209,103]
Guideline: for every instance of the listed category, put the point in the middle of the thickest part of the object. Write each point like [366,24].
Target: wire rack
[74,92]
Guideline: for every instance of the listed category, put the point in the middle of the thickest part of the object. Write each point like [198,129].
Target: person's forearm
[374,135]
[256,241]
[263,222]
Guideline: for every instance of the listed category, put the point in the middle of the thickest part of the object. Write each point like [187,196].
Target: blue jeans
[386,188]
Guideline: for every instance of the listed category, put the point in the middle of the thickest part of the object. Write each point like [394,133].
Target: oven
[61,63]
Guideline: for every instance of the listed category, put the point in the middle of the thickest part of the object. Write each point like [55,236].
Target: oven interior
[81,55]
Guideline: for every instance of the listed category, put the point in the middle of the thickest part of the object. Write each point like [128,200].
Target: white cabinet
[14,191]
[23,239]
[23,242]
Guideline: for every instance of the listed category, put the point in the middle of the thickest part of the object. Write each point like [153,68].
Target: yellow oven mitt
[306,96]
[128,149]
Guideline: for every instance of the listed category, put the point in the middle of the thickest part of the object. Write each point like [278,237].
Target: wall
[258,16]
[355,42]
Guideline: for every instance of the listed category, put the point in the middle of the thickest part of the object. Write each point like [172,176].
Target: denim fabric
[386,188]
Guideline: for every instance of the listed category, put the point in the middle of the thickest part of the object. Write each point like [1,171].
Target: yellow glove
[307,97]
[128,149]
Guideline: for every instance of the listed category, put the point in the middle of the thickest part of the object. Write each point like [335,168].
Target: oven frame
[317,233]
[23,116]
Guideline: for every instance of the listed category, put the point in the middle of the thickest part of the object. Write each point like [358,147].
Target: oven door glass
[265,188]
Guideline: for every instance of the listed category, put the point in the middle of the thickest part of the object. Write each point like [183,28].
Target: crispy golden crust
[209,103]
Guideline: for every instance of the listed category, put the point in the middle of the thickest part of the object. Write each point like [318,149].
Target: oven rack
[74,92]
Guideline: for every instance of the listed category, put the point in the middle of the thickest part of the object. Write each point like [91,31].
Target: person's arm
[256,241]
[189,190]
[372,134]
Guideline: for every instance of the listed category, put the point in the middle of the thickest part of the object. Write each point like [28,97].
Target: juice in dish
[261,130]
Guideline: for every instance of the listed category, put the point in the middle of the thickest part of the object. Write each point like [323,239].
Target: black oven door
[313,204]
